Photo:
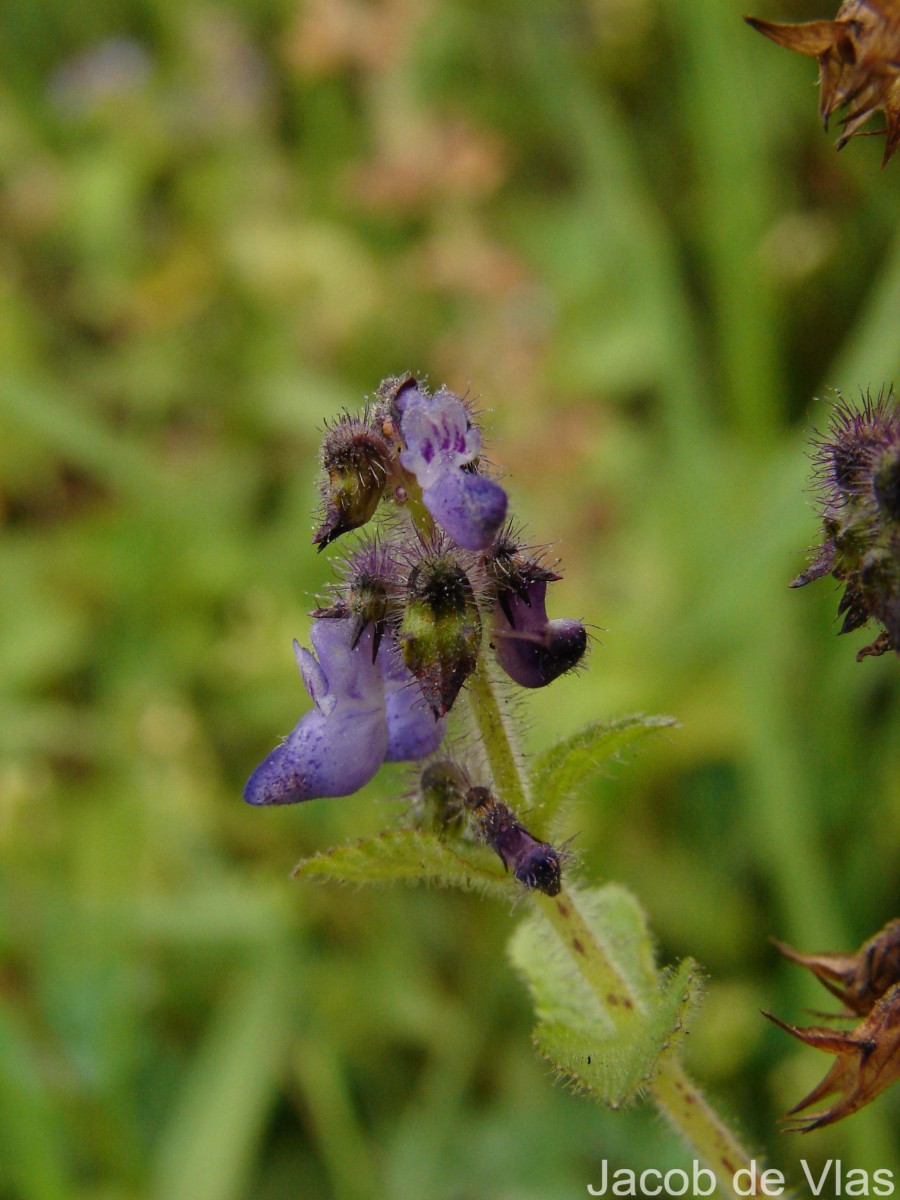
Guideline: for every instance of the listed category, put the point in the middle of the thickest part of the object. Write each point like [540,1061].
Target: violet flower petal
[339,745]
[440,442]
[532,650]
[413,732]
[469,507]
[437,435]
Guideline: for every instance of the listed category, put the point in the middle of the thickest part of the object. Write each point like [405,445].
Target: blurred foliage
[619,222]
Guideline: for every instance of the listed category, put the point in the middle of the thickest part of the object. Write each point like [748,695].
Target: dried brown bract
[858,980]
[868,1061]
[859,63]
[868,1057]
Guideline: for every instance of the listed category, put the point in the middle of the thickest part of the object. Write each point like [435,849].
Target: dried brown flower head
[868,1057]
[858,980]
[868,1061]
[859,63]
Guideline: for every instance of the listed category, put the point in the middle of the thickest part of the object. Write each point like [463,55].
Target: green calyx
[440,633]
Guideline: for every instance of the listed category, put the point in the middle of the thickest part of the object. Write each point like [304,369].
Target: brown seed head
[859,63]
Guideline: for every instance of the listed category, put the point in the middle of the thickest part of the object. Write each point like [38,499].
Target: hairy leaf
[575,1031]
[562,771]
[410,855]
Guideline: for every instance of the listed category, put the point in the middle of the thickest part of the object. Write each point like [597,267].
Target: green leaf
[562,771]
[412,856]
[574,1030]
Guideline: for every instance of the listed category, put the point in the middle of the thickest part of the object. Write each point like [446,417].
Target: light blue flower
[339,745]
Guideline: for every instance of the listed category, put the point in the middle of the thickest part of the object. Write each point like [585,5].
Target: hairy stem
[677,1098]
[681,1103]
[496,737]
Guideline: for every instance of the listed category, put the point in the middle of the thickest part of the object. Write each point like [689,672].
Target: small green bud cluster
[858,468]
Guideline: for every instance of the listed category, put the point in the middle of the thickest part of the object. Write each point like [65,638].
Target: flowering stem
[680,1102]
[496,737]
[677,1098]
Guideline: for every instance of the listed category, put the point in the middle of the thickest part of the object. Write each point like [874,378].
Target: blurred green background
[618,223]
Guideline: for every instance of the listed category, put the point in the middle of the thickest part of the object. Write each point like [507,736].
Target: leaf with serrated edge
[574,1031]
[562,771]
[411,856]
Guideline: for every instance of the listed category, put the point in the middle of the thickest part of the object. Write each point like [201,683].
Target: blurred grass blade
[31,1159]
[216,1123]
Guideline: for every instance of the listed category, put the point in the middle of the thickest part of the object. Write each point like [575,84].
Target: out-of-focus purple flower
[413,731]
[103,74]
[441,443]
[858,467]
[339,745]
[531,649]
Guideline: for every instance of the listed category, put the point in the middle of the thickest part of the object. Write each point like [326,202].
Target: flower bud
[534,864]
[440,632]
[355,465]
[339,745]
[532,650]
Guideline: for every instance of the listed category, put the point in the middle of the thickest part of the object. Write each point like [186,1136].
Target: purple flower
[441,443]
[413,731]
[532,650]
[339,745]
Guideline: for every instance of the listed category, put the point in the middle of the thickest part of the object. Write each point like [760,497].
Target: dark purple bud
[440,633]
[339,745]
[355,465]
[413,730]
[533,863]
[844,455]
[441,442]
[532,650]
